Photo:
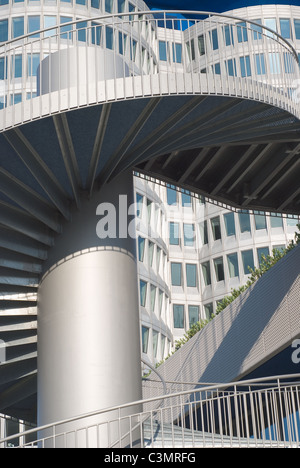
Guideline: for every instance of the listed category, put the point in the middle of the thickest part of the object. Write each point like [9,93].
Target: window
[109,38]
[244,219]
[245,66]
[216,227]
[48,22]
[257,30]
[201,45]
[178,315]
[65,31]
[139,202]
[4,2]
[242,32]
[109,6]
[292,221]
[233,266]
[193,315]
[133,46]
[231,67]
[219,269]
[262,252]
[171,196]
[4,30]
[176,269]
[141,248]
[82,31]
[217,68]
[206,273]
[143,293]
[163,345]
[280,247]
[191,275]
[131,9]
[34,24]
[228,35]
[189,235]
[150,253]
[229,224]
[163,51]
[160,299]
[276,222]
[186,200]
[96,32]
[95,4]
[297,28]
[214,39]
[122,43]
[3,68]
[203,232]
[18,27]
[260,64]
[248,261]
[158,256]
[174,234]
[152,297]
[260,222]
[33,64]
[191,49]
[145,339]
[285,28]
[177,52]
[208,310]
[271,24]
[274,63]
[81,2]
[155,335]
[17,66]
[121,6]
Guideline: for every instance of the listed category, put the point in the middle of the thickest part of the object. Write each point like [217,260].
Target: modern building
[204,109]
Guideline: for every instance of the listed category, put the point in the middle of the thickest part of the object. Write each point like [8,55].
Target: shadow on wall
[255,327]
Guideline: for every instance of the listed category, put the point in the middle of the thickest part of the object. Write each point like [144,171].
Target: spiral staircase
[235,141]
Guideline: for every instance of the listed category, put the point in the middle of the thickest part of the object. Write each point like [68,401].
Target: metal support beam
[68,153]
[39,170]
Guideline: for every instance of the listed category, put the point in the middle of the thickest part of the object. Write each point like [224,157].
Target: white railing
[253,413]
[143,54]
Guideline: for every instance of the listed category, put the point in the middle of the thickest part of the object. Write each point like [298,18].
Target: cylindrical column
[88,315]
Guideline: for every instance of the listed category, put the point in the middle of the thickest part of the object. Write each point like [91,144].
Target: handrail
[211,388]
[152,13]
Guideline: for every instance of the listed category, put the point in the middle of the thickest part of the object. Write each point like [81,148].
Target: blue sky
[213,5]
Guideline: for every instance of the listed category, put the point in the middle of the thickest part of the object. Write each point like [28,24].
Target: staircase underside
[235,151]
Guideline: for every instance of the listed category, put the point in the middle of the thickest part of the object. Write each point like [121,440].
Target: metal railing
[144,54]
[251,413]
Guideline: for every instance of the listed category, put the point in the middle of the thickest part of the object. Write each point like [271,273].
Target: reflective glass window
[208,310]
[18,27]
[189,234]
[191,275]
[176,274]
[248,261]
[242,32]
[229,224]
[262,252]
[206,273]
[145,339]
[34,24]
[219,269]
[244,219]
[260,222]
[33,64]
[143,293]
[4,30]
[193,314]
[216,227]
[155,336]
[174,233]
[285,28]
[233,266]
[178,315]
[171,196]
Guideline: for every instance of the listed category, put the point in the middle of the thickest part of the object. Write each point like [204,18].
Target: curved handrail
[152,13]
[271,379]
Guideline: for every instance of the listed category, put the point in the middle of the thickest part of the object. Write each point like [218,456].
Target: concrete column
[88,316]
